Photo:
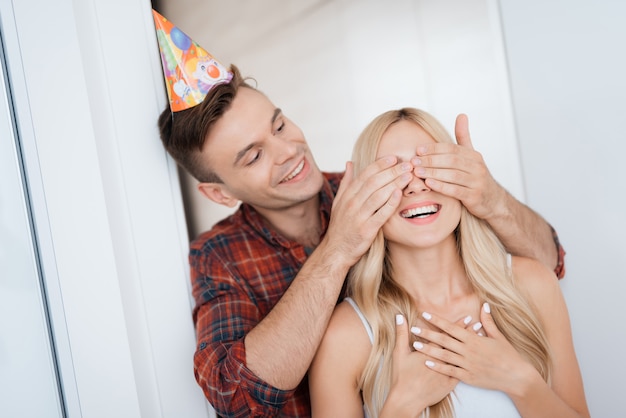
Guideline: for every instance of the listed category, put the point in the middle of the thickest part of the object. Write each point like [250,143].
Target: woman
[438,266]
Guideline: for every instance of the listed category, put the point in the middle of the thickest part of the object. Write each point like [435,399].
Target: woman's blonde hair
[372,286]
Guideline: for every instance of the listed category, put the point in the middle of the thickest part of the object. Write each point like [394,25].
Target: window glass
[28,378]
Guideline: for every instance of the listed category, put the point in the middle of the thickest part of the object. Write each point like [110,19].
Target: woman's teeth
[420,212]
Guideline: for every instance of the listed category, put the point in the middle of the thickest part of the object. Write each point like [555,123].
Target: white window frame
[87,88]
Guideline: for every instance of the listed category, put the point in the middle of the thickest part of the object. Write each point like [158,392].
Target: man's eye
[280,127]
[255,157]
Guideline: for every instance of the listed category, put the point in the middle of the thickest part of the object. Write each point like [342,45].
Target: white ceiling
[225,27]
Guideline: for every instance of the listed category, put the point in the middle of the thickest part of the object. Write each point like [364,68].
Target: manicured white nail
[480,334]
[467,319]
[477,326]
[399,319]
[486,307]
[426,316]
[416,330]
[418,345]
[430,363]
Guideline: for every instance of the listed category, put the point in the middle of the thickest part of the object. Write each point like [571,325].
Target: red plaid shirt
[559,270]
[239,271]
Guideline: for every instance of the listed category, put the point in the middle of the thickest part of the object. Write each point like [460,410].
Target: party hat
[190,71]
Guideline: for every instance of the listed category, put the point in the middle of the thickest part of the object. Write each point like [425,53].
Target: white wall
[567,63]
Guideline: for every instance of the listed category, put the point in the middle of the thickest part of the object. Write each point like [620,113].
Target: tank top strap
[366,324]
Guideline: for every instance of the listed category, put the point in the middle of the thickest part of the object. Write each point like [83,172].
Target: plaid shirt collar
[259,224]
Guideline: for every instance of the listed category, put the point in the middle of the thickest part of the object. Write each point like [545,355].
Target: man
[267,278]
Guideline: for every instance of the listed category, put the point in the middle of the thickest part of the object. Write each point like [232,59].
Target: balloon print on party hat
[190,71]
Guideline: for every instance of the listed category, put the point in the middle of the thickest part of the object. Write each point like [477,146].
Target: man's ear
[218,193]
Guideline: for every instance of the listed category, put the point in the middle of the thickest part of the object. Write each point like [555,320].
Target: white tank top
[468,401]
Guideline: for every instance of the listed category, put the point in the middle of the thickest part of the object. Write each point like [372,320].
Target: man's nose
[284,149]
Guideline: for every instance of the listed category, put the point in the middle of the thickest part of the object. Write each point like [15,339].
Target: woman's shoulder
[344,348]
[347,325]
[336,370]
[535,279]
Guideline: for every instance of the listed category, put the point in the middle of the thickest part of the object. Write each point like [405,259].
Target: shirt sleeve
[224,314]
[559,270]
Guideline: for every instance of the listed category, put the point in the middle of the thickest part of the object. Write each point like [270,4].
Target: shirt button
[202,346]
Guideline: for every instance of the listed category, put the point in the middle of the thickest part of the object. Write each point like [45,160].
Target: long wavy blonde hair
[371,282]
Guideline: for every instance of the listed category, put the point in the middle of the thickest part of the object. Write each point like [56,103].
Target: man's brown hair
[184,133]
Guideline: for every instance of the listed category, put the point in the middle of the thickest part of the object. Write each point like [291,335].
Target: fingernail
[421,150]
[467,319]
[480,334]
[406,167]
[416,161]
[416,330]
[426,316]
[430,363]
[477,326]
[420,171]
[418,345]
[486,307]
[399,319]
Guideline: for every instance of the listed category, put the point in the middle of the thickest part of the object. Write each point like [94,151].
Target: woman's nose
[416,185]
